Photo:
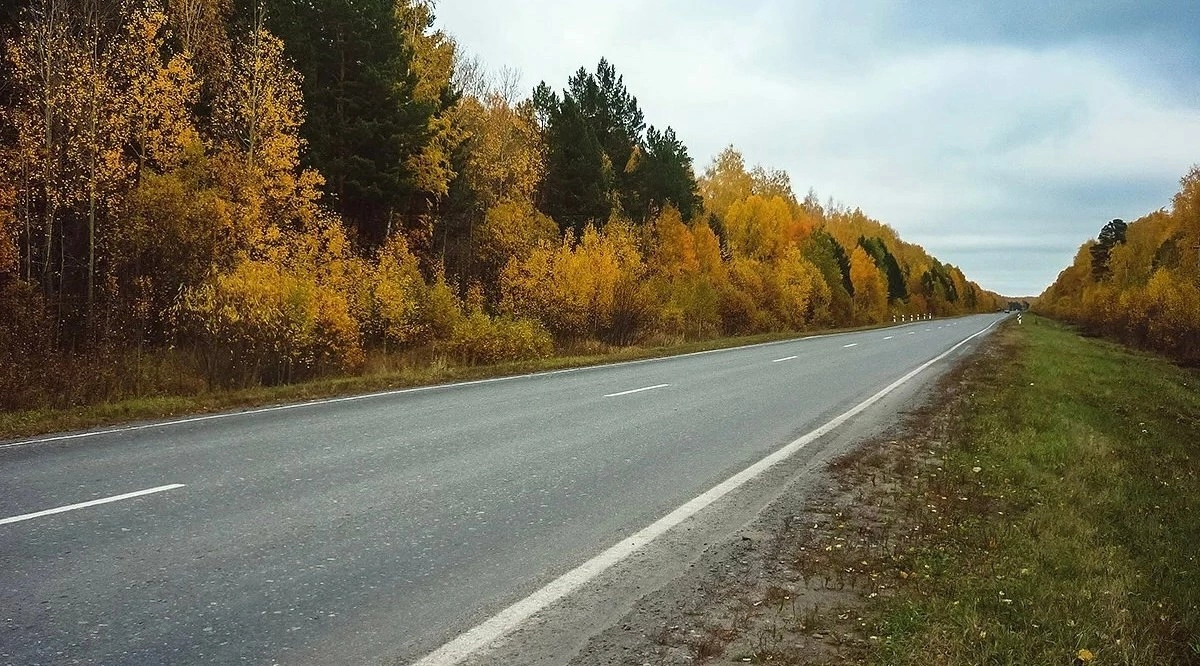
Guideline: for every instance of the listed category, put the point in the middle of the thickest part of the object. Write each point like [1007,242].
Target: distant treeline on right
[1139,282]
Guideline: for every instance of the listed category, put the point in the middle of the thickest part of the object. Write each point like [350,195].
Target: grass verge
[1059,520]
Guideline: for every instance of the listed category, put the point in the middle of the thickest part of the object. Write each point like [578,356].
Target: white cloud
[1017,146]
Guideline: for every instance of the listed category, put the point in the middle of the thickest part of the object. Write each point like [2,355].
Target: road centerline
[89,503]
[852,344]
[786,358]
[637,390]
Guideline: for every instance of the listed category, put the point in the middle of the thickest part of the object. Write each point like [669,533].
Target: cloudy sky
[1000,135]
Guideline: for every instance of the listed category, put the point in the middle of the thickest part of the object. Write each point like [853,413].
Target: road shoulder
[790,585]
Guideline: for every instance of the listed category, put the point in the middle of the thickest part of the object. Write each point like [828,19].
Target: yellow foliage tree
[397,288]
[159,95]
[263,323]
[1150,294]
[708,252]
[433,55]
[258,114]
[675,248]
[1172,314]
[759,227]
[804,296]
[725,182]
[747,298]
[870,287]
[684,286]
[575,289]
[504,153]
[511,230]
[199,25]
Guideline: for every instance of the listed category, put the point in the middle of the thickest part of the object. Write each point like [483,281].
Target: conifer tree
[364,121]
[578,173]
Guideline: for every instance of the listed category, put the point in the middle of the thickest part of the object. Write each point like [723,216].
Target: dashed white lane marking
[912,332]
[394,392]
[852,344]
[510,618]
[889,337]
[637,390]
[786,358]
[84,505]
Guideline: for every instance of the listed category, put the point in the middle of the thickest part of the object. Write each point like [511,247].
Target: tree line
[208,193]
[1139,282]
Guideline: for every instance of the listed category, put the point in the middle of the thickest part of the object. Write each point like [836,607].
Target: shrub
[688,307]
[401,309]
[262,323]
[482,340]
[440,312]
[576,289]
[396,294]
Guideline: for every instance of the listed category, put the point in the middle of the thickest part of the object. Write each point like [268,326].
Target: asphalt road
[382,526]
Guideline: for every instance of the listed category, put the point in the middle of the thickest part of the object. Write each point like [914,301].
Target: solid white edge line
[84,505]
[789,358]
[510,618]
[637,390]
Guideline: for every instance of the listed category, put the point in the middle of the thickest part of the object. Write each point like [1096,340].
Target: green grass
[1081,528]
[384,372]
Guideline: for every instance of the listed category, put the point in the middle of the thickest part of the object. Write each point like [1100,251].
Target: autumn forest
[208,194]
[1139,282]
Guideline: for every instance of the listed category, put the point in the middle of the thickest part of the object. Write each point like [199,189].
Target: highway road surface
[378,528]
